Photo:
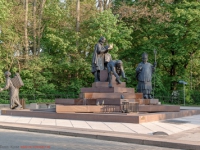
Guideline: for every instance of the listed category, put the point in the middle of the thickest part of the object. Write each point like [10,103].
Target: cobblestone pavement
[13,140]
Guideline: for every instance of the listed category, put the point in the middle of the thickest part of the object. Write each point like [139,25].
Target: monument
[13,84]
[113,103]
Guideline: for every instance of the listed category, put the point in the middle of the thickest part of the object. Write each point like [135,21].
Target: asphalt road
[14,140]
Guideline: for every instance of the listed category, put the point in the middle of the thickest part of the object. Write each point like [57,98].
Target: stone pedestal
[103,75]
[99,96]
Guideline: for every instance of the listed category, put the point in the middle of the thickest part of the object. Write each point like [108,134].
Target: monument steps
[107,90]
[111,95]
[105,84]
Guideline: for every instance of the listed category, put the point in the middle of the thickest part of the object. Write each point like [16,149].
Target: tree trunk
[34,27]
[78,16]
[26,29]
[100,5]
[173,73]
[40,25]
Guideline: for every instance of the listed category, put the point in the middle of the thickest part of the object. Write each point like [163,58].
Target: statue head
[102,39]
[144,57]
[7,74]
[119,63]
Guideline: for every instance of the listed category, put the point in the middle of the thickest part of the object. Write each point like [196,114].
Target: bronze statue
[144,73]
[13,85]
[115,67]
[100,57]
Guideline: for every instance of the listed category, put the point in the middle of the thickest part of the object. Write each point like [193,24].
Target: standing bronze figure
[99,59]
[144,72]
[13,85]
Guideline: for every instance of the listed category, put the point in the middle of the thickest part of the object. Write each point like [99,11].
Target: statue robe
[98,58]
[14,92]
[144,77]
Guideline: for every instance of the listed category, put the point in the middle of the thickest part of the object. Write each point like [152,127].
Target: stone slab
[107,117]
[100,101]
[107,90]
[64,101]
[142,101]
[153,101]
[114,108]
[87,108]
[105,84]
[111,95]
[105,101]
[147,101]
[159,108]
[103,75]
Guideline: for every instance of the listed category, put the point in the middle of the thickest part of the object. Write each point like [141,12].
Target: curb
[160,141]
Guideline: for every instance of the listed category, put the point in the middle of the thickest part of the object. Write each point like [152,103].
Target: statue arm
[6,86]
[101,49]
[122,72]
[138,69]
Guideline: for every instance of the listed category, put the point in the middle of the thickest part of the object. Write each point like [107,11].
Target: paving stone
[80,124]
[98,126]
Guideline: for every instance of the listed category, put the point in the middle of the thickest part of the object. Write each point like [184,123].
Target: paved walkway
[170,127]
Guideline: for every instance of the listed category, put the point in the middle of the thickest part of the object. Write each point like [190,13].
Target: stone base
[113,108]
[87,108]
[105,84]
[159,108]
[108,90]
[106,117]
[106,101]
[111,95]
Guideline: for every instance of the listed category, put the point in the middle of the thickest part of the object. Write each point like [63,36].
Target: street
[12,139]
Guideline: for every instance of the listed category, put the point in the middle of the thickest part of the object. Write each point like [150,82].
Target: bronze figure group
[102,60]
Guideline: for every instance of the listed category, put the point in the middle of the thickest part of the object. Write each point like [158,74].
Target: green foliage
[63,63]
[106,24]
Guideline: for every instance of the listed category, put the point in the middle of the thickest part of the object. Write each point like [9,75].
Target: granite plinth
[116,101]
[105,84]
[111,95]
[87,108]
[64,101]
[107,90]
[105,101]
[159,108]
[147,101]
[103,75]
[114,108]
[107,117]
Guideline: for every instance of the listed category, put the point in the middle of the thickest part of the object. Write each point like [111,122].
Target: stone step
[113,108]
[87,108]
[107,90]
[105,84]
[111,95]
[107,101]
[63,101]
[147,101]
[159,108]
